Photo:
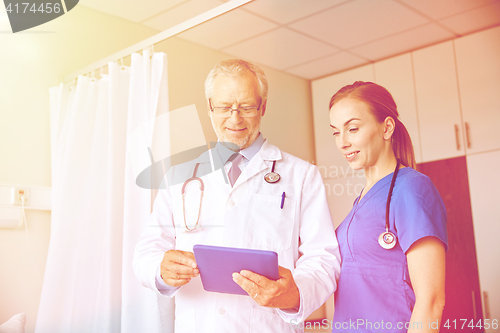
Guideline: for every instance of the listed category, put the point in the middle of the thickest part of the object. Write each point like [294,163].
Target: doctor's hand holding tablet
[274,287]
[178,268]
[282,293]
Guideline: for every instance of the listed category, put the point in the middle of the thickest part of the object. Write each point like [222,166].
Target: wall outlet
[17,193]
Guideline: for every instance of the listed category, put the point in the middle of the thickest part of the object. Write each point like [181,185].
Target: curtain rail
[197,20]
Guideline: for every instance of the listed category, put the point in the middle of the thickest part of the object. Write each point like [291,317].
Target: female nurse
[393,270]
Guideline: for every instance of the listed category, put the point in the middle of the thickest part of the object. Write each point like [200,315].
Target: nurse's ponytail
[382,106]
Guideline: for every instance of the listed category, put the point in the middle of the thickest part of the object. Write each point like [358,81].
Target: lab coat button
[230,203]
[222,311]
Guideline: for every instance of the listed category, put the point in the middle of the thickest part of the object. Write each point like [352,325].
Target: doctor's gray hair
[236,67]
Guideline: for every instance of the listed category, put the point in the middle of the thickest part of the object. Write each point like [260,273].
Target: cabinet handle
[474,306]
[486,305]
[467,135]
[456,136]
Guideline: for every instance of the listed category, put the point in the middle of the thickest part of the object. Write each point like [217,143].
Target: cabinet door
[478,65]
[327,153]
[463,300]
[396,75]
[437,102]
[484,182]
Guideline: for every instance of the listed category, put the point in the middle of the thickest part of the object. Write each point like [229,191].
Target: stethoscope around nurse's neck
[387,239]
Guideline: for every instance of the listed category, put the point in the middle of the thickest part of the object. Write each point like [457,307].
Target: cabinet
[438,102]
[484,182]
[396,75]
[478,68]
[327,153]
[463,296]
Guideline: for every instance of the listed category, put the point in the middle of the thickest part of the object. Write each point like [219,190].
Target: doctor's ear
[208,108]
[389,127]
[263,107]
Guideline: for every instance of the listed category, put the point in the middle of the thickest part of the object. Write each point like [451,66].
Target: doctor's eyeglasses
[226,112]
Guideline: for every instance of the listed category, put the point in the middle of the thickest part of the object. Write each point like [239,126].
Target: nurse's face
[359,136]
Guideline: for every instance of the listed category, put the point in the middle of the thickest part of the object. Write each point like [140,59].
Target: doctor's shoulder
[300,166]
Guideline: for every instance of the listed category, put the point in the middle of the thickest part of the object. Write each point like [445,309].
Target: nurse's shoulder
[413,183]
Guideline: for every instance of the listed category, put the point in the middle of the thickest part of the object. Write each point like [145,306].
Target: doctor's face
[358,135]
[236,92]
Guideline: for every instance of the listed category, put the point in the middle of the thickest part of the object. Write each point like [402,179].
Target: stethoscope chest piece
[272,177]
[387,240]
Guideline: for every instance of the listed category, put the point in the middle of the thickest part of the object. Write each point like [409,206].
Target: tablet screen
[217,265]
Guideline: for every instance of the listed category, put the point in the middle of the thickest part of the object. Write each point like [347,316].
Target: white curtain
[101,134]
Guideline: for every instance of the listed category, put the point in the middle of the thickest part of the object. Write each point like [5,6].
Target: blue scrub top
[374,292]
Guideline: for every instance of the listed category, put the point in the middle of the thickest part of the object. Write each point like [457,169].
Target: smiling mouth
[351,156]
[236,130]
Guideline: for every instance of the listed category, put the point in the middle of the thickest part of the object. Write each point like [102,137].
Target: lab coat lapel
[260,162]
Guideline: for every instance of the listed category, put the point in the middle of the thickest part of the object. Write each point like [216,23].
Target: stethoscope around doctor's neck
[270,177]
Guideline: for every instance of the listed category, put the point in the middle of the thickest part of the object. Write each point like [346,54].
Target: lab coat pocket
[269,226]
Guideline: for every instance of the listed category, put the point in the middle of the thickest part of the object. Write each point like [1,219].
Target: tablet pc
[217,265]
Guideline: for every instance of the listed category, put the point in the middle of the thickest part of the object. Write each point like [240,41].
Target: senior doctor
[241,209]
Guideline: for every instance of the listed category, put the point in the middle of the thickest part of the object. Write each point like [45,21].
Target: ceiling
[314,38]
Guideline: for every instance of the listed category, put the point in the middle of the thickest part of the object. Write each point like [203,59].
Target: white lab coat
[245,216]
